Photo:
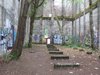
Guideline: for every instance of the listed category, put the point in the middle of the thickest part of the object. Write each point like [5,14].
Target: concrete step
[75,48]
[99,56]
[66,65]
[81,50]
[53,49]
[51,46]
[55,52]
[59,57]
[89,53]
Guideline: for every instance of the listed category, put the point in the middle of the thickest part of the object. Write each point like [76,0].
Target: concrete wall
[9,11]
[67,8]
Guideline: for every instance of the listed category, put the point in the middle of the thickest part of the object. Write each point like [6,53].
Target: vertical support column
[12,28]
[13,12]
[2,14]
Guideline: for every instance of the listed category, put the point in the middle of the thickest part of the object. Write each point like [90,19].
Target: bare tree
[75,2]
[91,27]
[34,7]
[79,24]
[84,22]
[98,33]
[72,21]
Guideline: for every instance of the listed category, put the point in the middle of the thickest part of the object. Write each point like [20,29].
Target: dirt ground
[36,61]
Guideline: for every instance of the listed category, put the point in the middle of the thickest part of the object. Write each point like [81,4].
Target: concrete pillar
[27,31]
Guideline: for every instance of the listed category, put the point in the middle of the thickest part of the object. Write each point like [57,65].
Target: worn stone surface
[66,65]
[89,53]
[59,57]
[55,52]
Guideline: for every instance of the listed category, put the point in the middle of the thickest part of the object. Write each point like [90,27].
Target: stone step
[66,65]
[89,53]
[99,56]
[75,48]
[55,52]
[51,46]
[53,49]
[81,50]
[59,57]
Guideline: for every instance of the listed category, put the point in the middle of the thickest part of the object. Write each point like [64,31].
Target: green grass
[77,45]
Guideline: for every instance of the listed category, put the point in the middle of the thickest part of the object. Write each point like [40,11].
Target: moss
[69,18]
[14,56]
[26,45]
[8,57]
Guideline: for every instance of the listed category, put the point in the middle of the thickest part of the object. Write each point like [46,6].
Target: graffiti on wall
[7,38]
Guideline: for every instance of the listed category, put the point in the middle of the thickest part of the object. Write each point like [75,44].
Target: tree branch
[41,3]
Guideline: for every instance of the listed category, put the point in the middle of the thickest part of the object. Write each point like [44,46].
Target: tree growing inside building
[34,7]
[18,45]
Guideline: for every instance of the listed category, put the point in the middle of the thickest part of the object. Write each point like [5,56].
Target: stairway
[56,54]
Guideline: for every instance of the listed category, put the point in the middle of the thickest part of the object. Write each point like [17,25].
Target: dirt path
[36,61]
[33,61]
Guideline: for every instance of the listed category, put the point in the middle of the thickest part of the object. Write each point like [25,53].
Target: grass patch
[6,58]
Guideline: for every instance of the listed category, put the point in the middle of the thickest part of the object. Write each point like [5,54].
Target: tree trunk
[91,27]
[79,30]
[75,27]
[31,32]
[32,18]
[17,48]
[36,5]
[98,33]
[72,28]
[79,26]
[72,22]
[41,25]
[84,24]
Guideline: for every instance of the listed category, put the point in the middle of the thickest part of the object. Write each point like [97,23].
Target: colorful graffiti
[7,38]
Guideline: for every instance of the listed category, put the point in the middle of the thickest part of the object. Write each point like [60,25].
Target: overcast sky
[58,3]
